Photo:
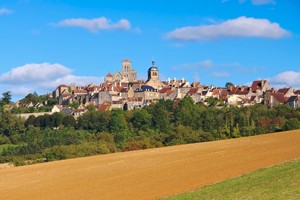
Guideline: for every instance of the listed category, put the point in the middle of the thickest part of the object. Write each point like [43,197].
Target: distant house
[147,93]
[287,92]
[57,108]
[259,87]
[294,101]
[195,95]
[134,103]
[274,99]
[59,90]
[78,112]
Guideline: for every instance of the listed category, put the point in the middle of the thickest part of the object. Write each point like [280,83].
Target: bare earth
[148,174]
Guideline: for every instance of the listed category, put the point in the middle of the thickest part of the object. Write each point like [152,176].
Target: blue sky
[49,42]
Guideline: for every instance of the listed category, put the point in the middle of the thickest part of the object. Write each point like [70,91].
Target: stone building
[127,74]
[153,77]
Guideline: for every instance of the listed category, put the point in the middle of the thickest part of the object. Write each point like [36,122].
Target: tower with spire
[153,77]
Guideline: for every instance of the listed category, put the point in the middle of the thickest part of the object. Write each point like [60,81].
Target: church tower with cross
[153,77]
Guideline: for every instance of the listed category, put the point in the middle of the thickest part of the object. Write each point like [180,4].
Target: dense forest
[55,137]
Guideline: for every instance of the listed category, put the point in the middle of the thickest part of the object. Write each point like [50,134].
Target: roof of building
[148,88]
[103,107]
[108,75]
[294,98]
[216,92]
[126,60]
[59,107]
[79,91]
[192,91]
[284,90]
[279,97]
[164,90]
[169,92]
[153,67]
[257,85]
[124,89]
[195,84]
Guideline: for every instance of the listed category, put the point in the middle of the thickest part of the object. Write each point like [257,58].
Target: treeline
[33,103]
[165,123]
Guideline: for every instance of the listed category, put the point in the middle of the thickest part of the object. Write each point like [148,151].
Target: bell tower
[126,68]
[153,72]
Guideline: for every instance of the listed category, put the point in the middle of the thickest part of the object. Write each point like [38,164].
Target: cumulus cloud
[239,27]
[96,24]
[286,79]
[34,73]
[4,11]
[41,78]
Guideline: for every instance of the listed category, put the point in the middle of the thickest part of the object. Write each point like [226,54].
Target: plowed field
[148,174]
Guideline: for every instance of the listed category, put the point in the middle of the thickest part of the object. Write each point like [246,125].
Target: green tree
[30,98]
[91,107]
[69,121]
[6,97]
[141,120]
[185,111]
[97,121]
[161,117]
[57,119]
[30,121]
[229,84]
[118,123]
[291,124]
[74,105]
[11,125]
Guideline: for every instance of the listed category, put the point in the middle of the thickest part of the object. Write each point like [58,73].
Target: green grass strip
[277,182]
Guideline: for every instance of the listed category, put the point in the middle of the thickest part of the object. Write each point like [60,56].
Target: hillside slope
[148,174]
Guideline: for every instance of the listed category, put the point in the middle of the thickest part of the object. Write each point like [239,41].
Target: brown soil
[148,174]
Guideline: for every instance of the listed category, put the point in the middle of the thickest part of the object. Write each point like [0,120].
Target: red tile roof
[78,91]
[164,90]
[196,84]
[124,89]
[283,90]
[103,107]
[216,92]
[109,75]
[279,97]
[169,92]
[257,85]
[192,91]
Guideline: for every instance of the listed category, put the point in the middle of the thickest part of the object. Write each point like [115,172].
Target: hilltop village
[122,90]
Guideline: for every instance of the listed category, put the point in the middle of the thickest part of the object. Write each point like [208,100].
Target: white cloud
[221,74]
[96,24]
[239,27]
[286,79]
[262,2]
[4,11]
[34,73]
[41,78]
